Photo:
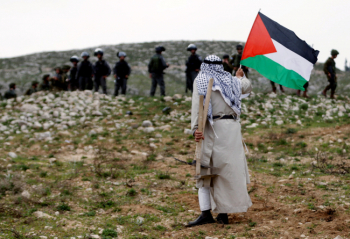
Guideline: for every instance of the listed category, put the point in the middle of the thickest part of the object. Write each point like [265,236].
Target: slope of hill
[25,69]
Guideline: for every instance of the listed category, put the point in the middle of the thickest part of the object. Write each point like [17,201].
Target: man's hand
[198,135]
[239,73]
[225,61]
[104,77]
[196,70]
[329,74]
[126,76]
[115,76]
[150,75]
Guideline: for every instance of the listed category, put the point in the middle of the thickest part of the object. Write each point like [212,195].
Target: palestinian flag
[278,54]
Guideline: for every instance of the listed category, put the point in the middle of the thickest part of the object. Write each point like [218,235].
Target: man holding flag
[279,54]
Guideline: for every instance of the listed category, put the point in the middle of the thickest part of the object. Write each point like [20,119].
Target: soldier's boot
[332,94]
[281,88]
[204,218]
[274,89]
[324,92]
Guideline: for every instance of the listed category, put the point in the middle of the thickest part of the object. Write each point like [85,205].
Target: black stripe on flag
[289,39]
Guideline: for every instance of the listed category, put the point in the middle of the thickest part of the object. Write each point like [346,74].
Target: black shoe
[222,218]
[201,220]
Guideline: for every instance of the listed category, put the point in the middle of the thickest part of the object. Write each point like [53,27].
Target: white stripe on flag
[291,61]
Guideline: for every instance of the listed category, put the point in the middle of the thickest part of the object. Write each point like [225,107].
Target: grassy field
[110,177]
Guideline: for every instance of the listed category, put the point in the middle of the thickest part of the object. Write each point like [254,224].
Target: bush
[63,207]
[132,192]
[162,175]
[304,106]
[109,233]
[291,131]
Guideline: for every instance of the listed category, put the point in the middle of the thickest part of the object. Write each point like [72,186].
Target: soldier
[85,72]
[73,81]
[45,85]
[32,89]
[121,72]
[65,77]
[330,71]
[274,89]
[101,71]
[226,63]
[57,80]
[193,65]
[11,93]
[156,68]
[236,61]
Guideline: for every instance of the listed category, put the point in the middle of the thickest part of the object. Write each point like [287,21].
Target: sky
[30,26]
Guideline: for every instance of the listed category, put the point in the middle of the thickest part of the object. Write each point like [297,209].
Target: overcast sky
[29,26]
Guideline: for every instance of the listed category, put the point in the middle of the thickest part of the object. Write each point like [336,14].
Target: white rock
[177,97]
[152,145]
[57,213]
[140,220]
[97,113]
[158,136]
[56,114]
[168,98]
[29,108]
[148,129]
[338,237]
[37,125]
[43,237]
[92,132]
[40,214]
[43,136]
[12,155]
[147,123]
[298,122]
[94,236]
[64,133]
[46,126]
[25,194]
[72,123]
[188,131]
[279,122]
[253,125]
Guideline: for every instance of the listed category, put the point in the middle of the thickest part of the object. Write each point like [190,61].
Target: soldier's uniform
[32,89]
[58,80]
[101,70]
[73,81]
[236,63]
[193,65]
[65,76]
[329,68]
[122,71]
[227,65]
[156,68]
[11,93]
[84,75]
[45,85]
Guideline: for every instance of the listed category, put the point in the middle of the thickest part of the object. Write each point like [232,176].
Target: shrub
[291,131]
[304,106]
[109,233]
[63,207]
[131,192]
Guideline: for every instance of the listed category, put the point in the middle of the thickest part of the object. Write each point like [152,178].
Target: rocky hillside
[25,69]
[87,165]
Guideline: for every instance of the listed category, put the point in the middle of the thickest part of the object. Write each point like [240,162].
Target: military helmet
[160,48]
[98,51]
[334,52]
[12,85]
[65,68]
[35,83]
[74,59]
[225,56]
[121,53]
[45,76]
[84,54]
[191,47]
[239,46]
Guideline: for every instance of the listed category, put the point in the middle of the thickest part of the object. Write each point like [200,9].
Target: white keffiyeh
[228,85]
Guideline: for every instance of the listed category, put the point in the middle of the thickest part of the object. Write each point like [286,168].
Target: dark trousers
[157,79]
[85,83]
[332,84]
[120,83]
[100,81]
[190,77]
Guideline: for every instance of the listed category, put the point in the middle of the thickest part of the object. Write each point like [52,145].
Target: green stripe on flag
[275,72]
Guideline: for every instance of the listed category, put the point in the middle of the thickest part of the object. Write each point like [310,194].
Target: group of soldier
[83,75]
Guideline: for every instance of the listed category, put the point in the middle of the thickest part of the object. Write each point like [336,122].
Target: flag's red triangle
[259,41]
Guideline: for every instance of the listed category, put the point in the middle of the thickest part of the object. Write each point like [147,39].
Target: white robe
[228,191]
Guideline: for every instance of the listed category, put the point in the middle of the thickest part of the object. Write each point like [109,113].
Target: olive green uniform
[31,91]
[329,68]
[10,94]
[228,67]
[236,63]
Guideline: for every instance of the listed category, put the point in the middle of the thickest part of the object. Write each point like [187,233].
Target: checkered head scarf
[224,82]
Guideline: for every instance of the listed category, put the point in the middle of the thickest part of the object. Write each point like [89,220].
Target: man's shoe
[222,218]
[201,221]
